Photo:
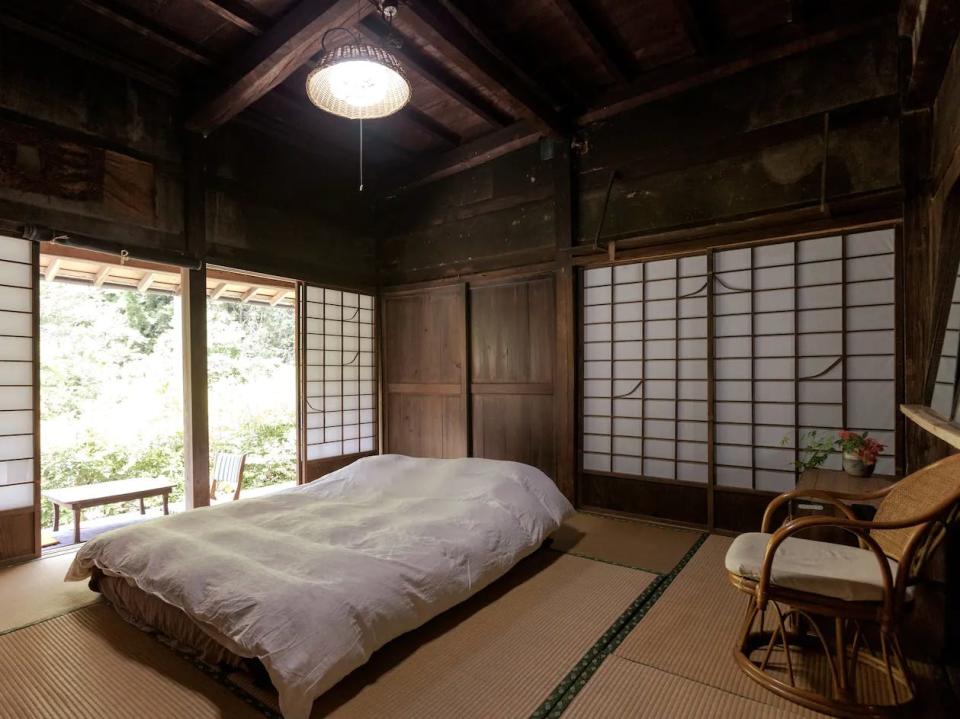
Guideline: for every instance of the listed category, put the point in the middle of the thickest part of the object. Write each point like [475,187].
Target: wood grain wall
[469,371]
[105,164]
[512,347]
[425,372]
[772,151]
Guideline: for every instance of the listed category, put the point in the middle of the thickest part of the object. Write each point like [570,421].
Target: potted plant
[860,453]
[816,447]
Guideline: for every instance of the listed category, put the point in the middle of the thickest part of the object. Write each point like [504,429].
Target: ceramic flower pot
[854,466]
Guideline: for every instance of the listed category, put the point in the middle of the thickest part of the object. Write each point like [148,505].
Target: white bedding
[313,579]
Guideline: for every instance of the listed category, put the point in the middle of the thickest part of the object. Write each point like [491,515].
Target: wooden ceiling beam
[459,39]
[375,30]
[218,291]
[700,26]
[471,154]
[146,281]
[933,33]
[102,275]
[683,76]
[145,29]
[430,126]
[271,59]
[237,13]
[53,267]
[83,48]
[620,68]
[249,294]
[278,297]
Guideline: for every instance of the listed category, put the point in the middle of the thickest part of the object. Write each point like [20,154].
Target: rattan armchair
[820,604]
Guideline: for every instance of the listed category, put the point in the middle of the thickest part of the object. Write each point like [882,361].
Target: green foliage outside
[112,396]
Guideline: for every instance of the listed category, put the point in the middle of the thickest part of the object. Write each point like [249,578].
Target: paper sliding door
[19,401]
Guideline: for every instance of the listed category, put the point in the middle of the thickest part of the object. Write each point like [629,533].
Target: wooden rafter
[145,29]
[434,73]
[699,25]
[81,47]
[103,274]
[458,38]
[278,297]
[248,295]
[218,291]
[52,268]
[470,154]
[933,35]
[270,59]
[682,76]
[146,281]
[603,48]
[237,13]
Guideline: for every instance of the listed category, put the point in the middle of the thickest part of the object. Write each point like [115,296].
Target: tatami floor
[618,619]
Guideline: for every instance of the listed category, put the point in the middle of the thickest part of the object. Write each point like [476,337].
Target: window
[340,373]
[803,339]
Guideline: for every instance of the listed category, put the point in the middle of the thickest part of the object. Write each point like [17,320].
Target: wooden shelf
[934,422]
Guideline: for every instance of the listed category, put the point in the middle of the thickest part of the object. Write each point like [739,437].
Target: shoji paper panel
[16,375]
[645,369]
[804,340]
[341,376]
[945,388]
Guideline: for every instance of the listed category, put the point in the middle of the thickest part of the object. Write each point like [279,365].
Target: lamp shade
[359,82]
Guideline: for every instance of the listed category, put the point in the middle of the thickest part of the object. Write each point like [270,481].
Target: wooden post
[196,441]
[565,366]
[193,283]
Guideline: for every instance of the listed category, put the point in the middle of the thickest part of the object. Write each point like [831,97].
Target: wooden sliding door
[512,346]
[425,372]
[19,401]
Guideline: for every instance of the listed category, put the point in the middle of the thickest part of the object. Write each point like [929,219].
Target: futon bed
[311,580]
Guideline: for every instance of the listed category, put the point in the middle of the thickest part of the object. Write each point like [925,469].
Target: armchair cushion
[831,570]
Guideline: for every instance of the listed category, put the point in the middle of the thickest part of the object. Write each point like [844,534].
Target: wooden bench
[97,495]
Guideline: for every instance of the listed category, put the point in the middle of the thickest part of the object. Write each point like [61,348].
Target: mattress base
[171,625]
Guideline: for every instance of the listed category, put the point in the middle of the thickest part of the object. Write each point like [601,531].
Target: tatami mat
[687,638]
[690,631]
[621,688]
[35,590]
[633,543]
[90,664]
[499,654]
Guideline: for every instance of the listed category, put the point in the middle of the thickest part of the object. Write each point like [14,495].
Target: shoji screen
[804,341]
[803,338]
[645,369]
[339,373]
[19,465]
[945,388]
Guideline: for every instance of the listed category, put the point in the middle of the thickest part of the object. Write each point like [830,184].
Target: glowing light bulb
[360,83]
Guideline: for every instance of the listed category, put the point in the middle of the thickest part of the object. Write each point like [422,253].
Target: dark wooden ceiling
[487,75]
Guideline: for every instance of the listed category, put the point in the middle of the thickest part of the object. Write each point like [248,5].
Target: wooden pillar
[196,440]
[193,283]
[565,366]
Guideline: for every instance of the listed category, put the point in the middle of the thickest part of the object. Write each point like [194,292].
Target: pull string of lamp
[359,80]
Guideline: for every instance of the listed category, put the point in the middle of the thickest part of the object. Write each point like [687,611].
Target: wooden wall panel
[512,345]
[17,529]
[515,427]
[424,366]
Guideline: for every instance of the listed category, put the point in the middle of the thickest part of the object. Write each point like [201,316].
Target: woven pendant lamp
[359,82]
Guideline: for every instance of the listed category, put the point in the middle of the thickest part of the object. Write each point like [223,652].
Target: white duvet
[314,579]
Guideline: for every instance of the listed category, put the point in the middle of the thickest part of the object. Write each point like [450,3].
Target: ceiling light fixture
[359,81]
